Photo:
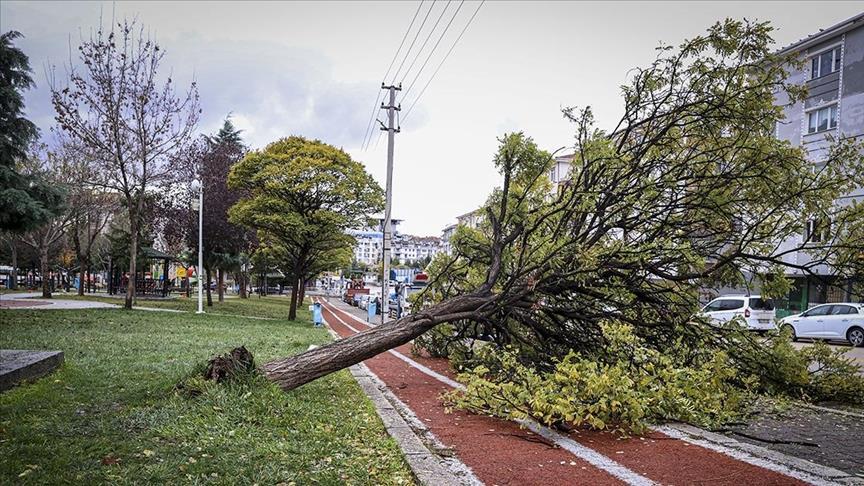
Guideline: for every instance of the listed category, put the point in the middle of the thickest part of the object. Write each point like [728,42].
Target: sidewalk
[502,452]
[34,300]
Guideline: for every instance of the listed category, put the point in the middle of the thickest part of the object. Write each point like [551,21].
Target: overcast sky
[313,69]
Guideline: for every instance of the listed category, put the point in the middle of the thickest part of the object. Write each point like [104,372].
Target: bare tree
[690,187]
[46,238]
[90,207]
[129,120]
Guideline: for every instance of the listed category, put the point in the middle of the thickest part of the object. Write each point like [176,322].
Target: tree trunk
[82,275]
[302,284]
[292,311]
[110,275]
[14,273]
[207,283]
[241,277]
[220,288]
[289,373]
[133,256]
[43,263]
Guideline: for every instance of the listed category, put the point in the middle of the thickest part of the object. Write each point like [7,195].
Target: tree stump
[223,368]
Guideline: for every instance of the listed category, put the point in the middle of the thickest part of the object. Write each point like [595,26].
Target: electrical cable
[417,76]
[442,61]
[392,62]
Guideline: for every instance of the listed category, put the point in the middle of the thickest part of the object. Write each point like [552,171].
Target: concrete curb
[422,450]
[799,468]
[838,411]
[429,468]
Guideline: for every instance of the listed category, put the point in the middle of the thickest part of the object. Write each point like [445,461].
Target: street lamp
[197,183]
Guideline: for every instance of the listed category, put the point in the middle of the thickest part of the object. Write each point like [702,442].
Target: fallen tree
[691,189]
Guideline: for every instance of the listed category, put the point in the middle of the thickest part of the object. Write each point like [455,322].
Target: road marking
[586,454]
[411,362]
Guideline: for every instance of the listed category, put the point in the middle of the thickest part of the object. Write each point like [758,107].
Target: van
[756,313]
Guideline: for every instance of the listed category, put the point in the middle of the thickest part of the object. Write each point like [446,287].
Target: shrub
[833,375]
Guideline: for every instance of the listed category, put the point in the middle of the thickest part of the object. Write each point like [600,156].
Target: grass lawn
[112,414]
[273,306]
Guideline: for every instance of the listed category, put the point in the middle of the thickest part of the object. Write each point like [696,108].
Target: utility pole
[388,235]
[201,247]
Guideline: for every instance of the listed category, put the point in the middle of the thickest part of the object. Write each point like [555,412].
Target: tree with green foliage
[26,201]
[690,187]
[304,194]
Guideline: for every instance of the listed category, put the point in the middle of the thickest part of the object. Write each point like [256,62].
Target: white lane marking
[411,362]
[744,457]
[586,454]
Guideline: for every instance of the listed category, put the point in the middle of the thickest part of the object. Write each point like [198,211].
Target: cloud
[271,90]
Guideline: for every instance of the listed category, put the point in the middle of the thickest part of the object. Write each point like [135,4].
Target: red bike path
[501,452]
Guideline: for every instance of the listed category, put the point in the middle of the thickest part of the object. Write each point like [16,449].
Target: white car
[757,313]
[841,320]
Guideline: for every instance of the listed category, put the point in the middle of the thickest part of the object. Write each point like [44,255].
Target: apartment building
[470,219]
[833,71]
[406,248]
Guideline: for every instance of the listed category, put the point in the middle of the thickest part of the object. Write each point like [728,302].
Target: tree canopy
[26,201]
[128,119]
[690,187]
[304,194]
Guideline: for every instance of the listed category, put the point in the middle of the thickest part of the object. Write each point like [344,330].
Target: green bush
[833,375]
[632,386]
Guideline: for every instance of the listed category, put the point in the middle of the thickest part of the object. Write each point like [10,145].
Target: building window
[552,174]
[822,119]
[825,63]
[817,230]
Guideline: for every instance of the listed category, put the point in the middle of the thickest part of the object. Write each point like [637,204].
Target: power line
[369,125]
[408,52]
[442,61]
[392,62]
[417,76]
[428,36]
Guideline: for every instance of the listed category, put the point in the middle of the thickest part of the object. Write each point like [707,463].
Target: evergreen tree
[26,201]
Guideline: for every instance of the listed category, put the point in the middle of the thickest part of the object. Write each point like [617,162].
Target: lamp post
[200,244]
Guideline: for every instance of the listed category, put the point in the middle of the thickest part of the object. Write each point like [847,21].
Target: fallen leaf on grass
[110,460]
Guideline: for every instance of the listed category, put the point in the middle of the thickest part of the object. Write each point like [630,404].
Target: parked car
[840,320]
[757,313]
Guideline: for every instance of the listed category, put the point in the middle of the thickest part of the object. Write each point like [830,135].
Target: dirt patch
[11,304]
